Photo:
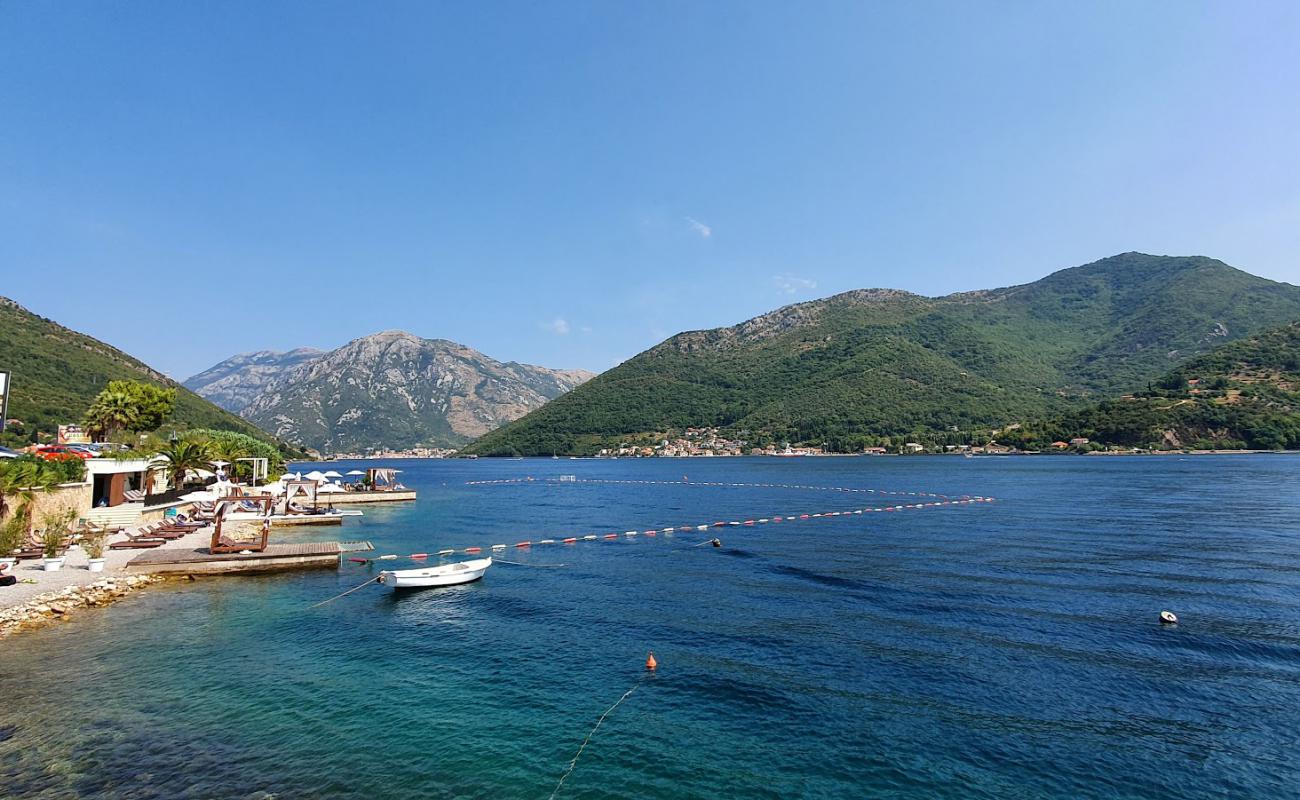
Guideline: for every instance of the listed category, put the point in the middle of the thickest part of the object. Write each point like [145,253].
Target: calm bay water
[1002,650]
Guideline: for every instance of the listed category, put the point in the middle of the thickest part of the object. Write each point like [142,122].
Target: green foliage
[12,530]
[182,456]
[94,542]
[20,480]
[1241,395]
[129,406]
[57,374]
[865,365]
[230,446]
[56,525]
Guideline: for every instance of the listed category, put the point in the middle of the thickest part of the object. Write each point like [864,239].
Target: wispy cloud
[699,227]
[786,283]
[558,326]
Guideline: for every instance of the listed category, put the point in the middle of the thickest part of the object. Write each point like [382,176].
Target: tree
[20,480]
[227,449]
[180,457]
[230,445]
[129,406]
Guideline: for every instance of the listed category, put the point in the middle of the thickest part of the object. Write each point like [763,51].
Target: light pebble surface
[74,572]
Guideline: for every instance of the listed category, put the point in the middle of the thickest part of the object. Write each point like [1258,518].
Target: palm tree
[227,450]
[113,410]
[20,480]
[180,457]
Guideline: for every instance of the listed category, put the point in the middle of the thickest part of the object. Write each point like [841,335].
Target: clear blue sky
[567,183]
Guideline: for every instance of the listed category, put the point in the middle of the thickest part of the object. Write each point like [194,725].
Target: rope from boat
[348,592]
[574,763]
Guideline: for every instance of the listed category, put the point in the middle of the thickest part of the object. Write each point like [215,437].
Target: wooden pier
[275,558]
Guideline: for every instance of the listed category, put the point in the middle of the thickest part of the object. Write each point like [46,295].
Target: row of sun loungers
[155,534]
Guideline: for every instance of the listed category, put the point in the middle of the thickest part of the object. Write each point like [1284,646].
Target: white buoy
[1168,618]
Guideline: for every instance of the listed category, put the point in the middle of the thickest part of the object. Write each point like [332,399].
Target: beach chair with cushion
[222,543]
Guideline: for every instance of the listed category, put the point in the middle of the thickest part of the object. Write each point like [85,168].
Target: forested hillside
[872,363]
[1244,394]
[57,372]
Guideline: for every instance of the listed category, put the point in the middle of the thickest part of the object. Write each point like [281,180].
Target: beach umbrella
[332,474]
[315,475]
[199,497]
[356,472]
[219,463]
[330,488]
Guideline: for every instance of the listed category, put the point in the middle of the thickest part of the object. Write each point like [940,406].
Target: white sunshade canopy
[333,474]
[330,488]
[356,472]
[315,475]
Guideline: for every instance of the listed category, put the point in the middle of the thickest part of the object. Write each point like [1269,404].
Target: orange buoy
[650,662]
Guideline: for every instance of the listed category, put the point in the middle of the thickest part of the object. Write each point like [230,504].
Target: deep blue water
[1002,650]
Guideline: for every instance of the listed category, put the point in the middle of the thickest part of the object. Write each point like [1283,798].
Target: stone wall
[76,496]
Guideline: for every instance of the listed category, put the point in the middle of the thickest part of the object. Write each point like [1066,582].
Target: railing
[174,495]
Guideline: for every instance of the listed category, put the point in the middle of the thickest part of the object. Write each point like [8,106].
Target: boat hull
[432,577]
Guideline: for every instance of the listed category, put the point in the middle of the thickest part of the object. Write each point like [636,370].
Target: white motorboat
[443,575]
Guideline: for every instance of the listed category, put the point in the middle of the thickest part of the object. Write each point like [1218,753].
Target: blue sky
[567,183]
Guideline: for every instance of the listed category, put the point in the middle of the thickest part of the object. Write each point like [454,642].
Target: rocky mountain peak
[386,389]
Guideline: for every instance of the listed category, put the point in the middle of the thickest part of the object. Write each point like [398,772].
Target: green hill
[1244,394]
[57,372]
[872,363]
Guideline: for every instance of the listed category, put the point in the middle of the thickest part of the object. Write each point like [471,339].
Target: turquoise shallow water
[1002,650]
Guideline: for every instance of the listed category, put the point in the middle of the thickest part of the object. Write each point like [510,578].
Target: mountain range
[386,390]
[57,372]
[872,363]
[237,381]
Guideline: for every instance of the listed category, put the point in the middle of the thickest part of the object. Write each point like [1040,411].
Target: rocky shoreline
[62,605]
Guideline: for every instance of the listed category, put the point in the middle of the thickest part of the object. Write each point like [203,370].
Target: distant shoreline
[1017,454]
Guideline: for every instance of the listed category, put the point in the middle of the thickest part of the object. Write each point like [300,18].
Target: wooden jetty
[275,558]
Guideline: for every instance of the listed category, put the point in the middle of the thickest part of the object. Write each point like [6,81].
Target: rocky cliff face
[393,389]
[235,382]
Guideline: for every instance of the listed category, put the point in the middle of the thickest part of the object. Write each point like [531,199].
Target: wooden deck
[276,557]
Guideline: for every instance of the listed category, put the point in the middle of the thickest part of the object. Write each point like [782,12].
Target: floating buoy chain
[726,484]
[668,531]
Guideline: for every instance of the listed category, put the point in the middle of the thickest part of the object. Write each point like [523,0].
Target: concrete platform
[283,520]
[276,557]
[348,498]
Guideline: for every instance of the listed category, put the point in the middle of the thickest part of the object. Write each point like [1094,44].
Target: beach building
[114,482]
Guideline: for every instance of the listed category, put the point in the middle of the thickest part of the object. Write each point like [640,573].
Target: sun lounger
[142,537]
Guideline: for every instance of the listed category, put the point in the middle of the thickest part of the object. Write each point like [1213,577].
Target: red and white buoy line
[723,484]
[682,529]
